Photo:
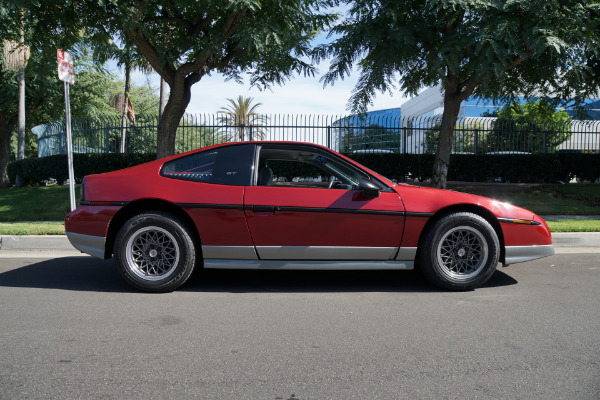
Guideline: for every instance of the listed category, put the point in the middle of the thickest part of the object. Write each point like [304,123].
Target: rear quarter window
[230,165]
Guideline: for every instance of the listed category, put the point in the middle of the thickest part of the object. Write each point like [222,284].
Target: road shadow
[91,274]
[245,281]
[86,274]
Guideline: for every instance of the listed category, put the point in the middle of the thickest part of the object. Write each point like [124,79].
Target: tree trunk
[179,98]
[452,100]
[5,135]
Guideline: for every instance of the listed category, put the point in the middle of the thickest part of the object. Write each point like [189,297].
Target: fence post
[348,133]
[106,139]
[63,141]
[545,144]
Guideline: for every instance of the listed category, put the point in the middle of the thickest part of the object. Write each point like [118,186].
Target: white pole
[69,147]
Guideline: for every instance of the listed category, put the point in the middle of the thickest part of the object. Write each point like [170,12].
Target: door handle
[266,209]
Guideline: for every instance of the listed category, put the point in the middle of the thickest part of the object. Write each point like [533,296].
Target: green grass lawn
[40,203]
[51,203]
[571,199]
[561,199]
[32,228]
[574,225]
[58,228]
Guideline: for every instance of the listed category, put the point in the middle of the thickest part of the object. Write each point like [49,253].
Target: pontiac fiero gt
[289,205]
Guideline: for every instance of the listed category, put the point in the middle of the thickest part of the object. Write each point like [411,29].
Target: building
[369,132]
[413,127]
[430,103]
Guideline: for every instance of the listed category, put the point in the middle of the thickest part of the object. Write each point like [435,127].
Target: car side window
[309,169]
[231,165]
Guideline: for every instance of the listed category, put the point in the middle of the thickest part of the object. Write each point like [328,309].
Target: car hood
[419,199]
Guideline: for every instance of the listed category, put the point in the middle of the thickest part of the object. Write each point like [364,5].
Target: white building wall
[426,101]
[586,137]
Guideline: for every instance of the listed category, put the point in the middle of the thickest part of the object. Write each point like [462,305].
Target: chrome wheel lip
[462,252]
[152,253]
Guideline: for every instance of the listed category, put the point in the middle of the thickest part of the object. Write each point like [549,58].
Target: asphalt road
[70,328]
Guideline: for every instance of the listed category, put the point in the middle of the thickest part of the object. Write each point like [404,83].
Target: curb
[36,242]
[576,239]
[559,217]
[61,243]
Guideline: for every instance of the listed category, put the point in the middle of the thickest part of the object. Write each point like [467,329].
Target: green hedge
[540,168]
[398,166]
[36,170]
[536,168]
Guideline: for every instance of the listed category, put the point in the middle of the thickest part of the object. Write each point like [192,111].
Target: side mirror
[368,188]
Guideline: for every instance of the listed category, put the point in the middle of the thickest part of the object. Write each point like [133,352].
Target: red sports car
[288,205]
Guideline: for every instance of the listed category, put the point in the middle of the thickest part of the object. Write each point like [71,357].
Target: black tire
[155,252]
[460,252]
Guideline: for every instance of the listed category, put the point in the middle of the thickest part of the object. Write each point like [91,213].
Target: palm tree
[242,116]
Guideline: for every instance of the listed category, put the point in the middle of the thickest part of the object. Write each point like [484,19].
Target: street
[71,328]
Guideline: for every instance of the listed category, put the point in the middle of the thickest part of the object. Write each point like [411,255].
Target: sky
[300,95]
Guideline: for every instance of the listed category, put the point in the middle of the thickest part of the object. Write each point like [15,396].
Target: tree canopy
[532,126]
[186,40]
[43,90]
[493,49]
[45,99]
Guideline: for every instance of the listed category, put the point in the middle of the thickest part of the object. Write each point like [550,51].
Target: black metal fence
[381,133]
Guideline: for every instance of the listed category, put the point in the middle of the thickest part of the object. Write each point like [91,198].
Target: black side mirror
[368,188]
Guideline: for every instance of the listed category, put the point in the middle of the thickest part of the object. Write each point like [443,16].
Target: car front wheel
[460,251]
[155,252]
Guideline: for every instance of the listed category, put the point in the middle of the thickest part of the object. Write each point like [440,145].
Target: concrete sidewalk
[35,242]
[563,242]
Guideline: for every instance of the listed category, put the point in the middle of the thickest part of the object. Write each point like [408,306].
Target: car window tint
[225,165]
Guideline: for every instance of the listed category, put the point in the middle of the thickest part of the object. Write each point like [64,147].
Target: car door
[209,186]
[306,205]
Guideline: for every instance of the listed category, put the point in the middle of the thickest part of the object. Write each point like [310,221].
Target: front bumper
[92,245]
[517,254]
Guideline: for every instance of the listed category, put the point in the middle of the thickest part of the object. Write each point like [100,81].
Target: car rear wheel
[155,252]
[460,252]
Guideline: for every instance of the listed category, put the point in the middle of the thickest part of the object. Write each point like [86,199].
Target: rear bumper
[517,254]
[92,245]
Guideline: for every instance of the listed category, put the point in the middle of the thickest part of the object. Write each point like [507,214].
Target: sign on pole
[66,73]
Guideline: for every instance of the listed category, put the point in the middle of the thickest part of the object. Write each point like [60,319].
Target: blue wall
[477,107]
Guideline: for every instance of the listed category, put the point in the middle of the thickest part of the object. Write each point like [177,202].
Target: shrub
[538,168]
[37,170]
